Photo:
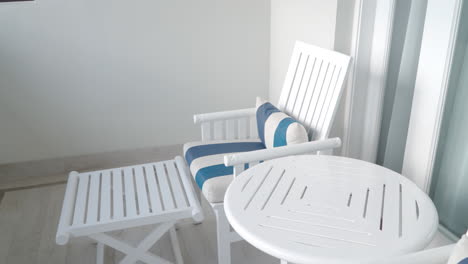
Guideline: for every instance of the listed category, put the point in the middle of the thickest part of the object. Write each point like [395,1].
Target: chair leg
[223,235]
[99,253]
[176,246]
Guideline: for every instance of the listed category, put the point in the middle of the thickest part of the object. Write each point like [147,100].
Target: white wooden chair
[311,92]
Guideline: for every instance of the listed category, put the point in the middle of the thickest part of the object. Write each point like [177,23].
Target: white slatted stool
[107,200]
[329,210]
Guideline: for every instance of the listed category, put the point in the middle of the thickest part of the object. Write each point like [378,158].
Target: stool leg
[99,253]
[176,246]
[199,194]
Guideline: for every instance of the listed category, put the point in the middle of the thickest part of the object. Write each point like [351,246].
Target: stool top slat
[117,194]
[153,189]
[129,192]
[142,193]
[81,199]
[106,196]
[164,187]
[93,195]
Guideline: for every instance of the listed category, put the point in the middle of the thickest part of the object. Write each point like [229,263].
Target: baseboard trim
[52,171]
[447,233]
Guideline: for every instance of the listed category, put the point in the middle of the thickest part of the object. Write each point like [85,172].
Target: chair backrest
[313,86]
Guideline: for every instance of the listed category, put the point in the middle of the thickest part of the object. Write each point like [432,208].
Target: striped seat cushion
[206,162]
[277,129]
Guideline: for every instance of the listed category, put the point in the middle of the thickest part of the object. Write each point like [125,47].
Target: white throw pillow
[277,129]
[460,252]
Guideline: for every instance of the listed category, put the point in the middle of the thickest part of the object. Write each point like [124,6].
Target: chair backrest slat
[313,86]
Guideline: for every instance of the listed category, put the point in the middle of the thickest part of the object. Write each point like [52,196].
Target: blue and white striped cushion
[277,129]
[206,162]
[460,252]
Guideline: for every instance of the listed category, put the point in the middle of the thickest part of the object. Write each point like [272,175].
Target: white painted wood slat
[218,130]
[153,189]
[290,77]
[117,197]
[297,82]
[375,201]
[409,214]
[391,211]
[142,193]
[81,199]
[176,185]
[251,164]
[325,97]
[311,90]
[238,169]
[317,96]
[106,196]
[231,129]
[301,95]
[93,200]
[267,189]
[329,111]
[242,128]
[253,128]
[166,191]
[206,131]
[129,191]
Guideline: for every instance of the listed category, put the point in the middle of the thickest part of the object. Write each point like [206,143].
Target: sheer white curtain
[403,64]
[450,175]
[450,178]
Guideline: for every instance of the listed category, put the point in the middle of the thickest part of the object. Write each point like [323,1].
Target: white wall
[311,21]
[87,76]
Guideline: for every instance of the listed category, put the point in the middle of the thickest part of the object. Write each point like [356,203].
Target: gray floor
[28,222]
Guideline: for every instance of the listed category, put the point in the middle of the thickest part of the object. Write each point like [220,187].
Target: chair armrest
[199,118]
[267,154]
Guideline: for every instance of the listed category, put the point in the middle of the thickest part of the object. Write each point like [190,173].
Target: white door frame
[370,48]
[378,71]
[435,60]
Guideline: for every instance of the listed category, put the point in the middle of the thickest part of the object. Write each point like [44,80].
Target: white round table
[328,209]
